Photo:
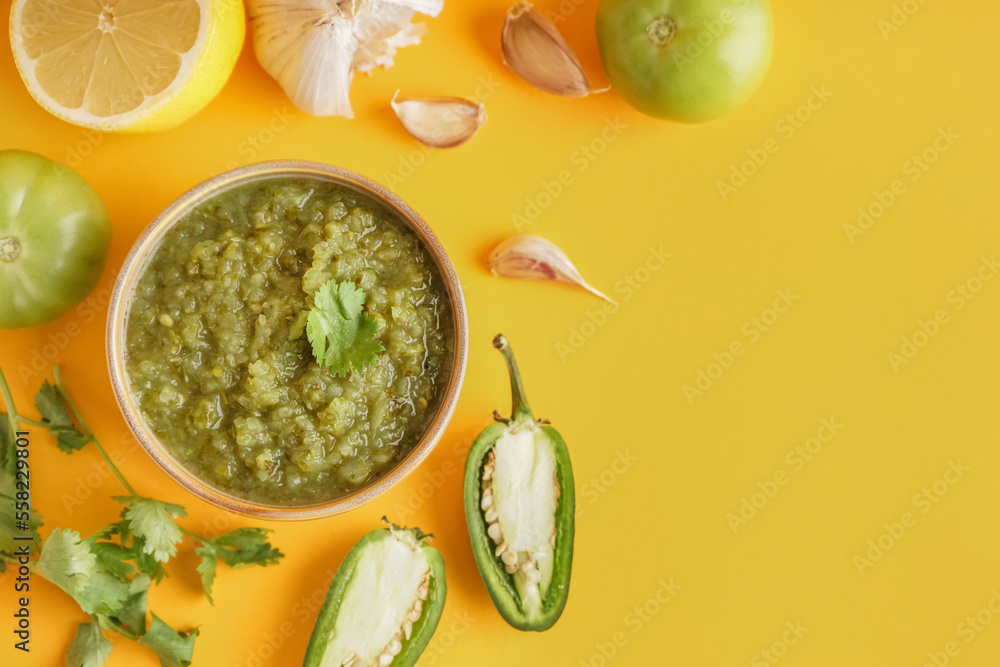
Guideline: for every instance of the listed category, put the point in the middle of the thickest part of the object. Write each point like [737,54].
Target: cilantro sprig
[341,333]
[109,573]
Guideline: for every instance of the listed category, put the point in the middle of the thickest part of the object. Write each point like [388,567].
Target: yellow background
[618,396]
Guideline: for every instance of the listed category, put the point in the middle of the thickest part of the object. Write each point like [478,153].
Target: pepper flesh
[383,604]
[519,485]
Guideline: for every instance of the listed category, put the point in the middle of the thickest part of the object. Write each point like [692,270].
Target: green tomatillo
[519,504]
[54,238]
[685,60]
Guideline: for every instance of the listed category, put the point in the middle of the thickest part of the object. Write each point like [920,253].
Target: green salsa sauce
[220,364]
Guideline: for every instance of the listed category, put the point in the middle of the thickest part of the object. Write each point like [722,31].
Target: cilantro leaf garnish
[11,519]
[237,548]
[67,561]
[111,558]
[341,333]
[109,573]
[174,649]
[206,568]
[89,647]
[131,616]
[9,528]
[102,594]
[146,563]
[153,522]
[50,404]
[246,546]
[6,446]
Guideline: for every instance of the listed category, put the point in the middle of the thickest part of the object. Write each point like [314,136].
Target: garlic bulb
[439,122]
[535,50]
[313,47]
[530,257]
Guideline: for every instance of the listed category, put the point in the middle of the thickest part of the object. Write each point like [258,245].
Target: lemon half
[126,65]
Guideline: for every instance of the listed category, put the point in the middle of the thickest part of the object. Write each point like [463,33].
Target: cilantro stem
[193,536]
[14,418]
[120,630]
[87,432]
[8,401]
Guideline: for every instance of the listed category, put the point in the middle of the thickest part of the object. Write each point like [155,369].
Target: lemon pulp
[129,65]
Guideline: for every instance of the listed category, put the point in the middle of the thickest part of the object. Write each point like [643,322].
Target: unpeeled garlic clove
[534,49]
[530,257]
[440,122]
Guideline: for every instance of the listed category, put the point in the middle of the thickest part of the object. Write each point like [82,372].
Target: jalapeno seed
[383,605]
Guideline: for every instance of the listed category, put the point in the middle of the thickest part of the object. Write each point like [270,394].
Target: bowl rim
[135,265]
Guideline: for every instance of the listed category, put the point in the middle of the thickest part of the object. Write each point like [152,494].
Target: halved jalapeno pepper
[383,605]
[519,504]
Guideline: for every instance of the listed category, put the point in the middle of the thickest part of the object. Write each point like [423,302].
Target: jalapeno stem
[519,400]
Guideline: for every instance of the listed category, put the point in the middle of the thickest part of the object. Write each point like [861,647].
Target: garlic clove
[534,49]
[440,122]
[530,257]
